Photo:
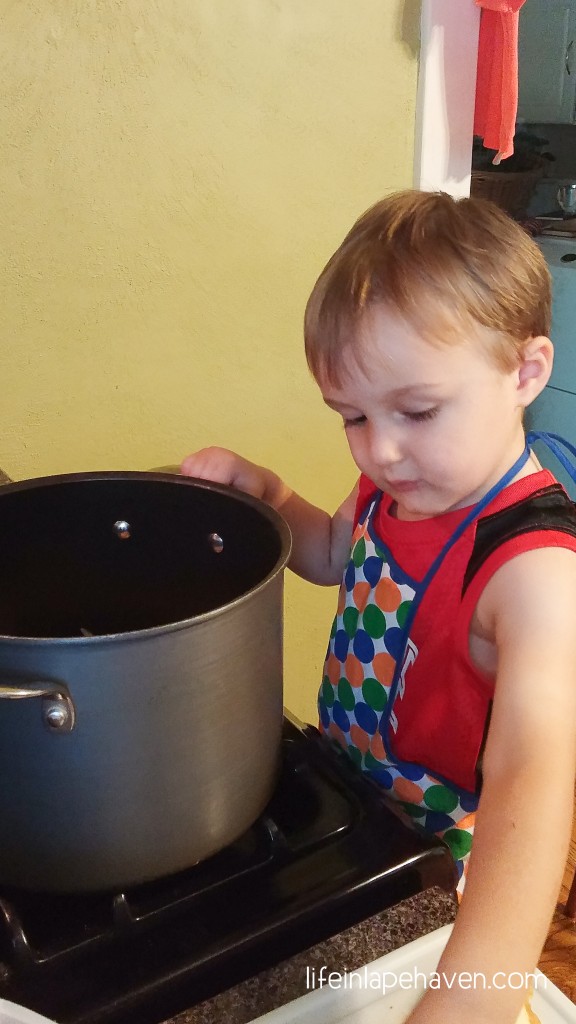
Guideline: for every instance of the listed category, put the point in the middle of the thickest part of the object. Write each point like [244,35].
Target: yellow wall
[174,175]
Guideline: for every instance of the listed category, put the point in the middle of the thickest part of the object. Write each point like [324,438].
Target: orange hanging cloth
[497,76]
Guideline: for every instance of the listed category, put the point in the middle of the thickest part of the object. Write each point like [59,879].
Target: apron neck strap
[558,446]
[421,588]
[476,511]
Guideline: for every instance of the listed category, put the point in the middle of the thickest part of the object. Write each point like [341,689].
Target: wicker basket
[511,190]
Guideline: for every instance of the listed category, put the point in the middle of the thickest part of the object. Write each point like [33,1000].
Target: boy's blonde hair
[445,265]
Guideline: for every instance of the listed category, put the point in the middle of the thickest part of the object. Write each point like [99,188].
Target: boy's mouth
[402,486]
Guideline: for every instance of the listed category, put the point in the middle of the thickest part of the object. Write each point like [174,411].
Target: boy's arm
[524,818]
[320,542]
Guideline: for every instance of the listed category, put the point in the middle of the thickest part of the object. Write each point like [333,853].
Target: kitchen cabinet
[554,410]
[547,61]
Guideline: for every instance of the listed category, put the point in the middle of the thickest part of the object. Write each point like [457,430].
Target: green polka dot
[413,809]
[350,620]
[327,692]
[374,621]
[346,695]
[359,552]
[355,755]
[371,762]
[440,798]
[381,553]
[459,841]
[374,694]
[402,612]
[334,629]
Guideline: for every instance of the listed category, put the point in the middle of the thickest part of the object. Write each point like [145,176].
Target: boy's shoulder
[520,581]
[540,515]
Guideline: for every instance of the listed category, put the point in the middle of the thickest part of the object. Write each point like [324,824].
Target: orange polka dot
[387,595]
[377,746]
[341,600]
[360,738]
[333,669]
[354,671]
[407,790]
[383,665]
[361,593]
[467,821]
[337,734]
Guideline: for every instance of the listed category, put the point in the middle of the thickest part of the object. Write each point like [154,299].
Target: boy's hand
[225,467]
[320,542]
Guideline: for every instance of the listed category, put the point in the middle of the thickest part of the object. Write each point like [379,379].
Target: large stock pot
[140,675]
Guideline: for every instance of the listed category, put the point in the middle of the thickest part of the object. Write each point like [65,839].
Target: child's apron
[366,727]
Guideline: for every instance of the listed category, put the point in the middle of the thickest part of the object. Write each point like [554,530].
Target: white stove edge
[366,1005]
[10,1013]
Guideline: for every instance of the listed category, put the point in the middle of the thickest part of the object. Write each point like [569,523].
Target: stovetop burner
[327,853]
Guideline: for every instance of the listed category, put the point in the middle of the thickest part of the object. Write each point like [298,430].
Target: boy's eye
[423,414]
[355,421]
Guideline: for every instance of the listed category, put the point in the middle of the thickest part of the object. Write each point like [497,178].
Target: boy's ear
[535,368]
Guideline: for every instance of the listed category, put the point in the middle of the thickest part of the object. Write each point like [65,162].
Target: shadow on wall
[409,26]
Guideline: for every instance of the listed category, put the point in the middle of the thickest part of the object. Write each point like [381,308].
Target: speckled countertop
[347,951]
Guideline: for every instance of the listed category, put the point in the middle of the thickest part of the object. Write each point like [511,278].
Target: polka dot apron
[368,654]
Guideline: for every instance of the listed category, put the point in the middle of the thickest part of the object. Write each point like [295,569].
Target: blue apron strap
[554,443]
[476,511]
[473,514]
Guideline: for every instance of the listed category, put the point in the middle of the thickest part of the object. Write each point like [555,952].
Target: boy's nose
[385,447]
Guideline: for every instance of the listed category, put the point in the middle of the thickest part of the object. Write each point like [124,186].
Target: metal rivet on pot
[216,543]
[122,529]
[56,717]
[58,714]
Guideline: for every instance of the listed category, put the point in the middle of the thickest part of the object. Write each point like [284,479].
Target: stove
[328,852]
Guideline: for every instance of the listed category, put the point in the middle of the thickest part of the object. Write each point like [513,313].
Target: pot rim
[269,513]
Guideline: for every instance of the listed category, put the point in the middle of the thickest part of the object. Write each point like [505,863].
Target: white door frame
[445,98]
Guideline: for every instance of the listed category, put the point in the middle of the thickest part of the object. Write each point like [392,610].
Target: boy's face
[432,425]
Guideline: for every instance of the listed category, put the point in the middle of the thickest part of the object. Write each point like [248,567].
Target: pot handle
[58,711]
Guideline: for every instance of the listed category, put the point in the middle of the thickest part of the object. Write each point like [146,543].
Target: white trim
[445,99]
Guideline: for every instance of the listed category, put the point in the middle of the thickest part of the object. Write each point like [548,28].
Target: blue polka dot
[340,717]
[363,647]
[412,772]
[394,641]
[350,576]
[341,645]
[469,802]
[382,776]
[396,574]
[324,714]
[459,868]
[437,821]
[366,717]
[372,569]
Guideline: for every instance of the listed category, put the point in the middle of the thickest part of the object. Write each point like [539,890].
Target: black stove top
[328,852]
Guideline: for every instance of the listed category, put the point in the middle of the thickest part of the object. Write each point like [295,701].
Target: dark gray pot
[156,743]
